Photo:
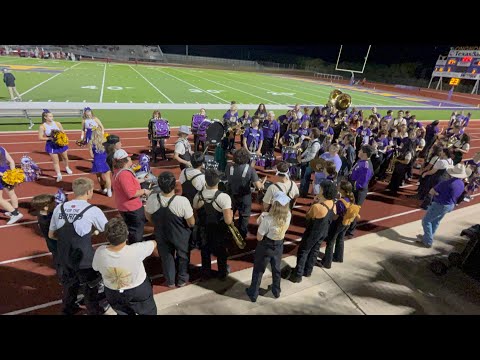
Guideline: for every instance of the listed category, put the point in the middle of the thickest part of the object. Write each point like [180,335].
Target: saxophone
[391,166]
[237,237]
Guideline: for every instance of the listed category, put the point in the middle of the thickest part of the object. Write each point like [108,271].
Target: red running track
[28,281]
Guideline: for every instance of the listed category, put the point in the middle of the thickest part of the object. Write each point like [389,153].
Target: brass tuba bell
[333,96]
[343,102]
[339,100]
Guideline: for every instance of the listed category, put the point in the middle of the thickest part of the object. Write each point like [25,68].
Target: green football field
[91,83]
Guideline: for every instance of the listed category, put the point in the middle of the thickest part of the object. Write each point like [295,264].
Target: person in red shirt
[127,193]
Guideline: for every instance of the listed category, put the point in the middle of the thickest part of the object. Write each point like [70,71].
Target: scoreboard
[462,64]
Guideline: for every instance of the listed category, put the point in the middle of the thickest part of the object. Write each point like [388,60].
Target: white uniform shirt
[223,200]
[93,217]
[180,206]
[198,183]
[272,189]
[269,229]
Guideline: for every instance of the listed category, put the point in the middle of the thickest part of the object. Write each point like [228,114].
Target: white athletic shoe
[104,190]
[109,192]
[59,177]
[8,213]
[69,172]
[14,219]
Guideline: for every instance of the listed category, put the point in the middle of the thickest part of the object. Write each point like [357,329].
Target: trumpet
[237,237]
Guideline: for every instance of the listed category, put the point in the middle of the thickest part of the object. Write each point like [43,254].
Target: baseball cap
[184,129]
[121,154]
[281,197]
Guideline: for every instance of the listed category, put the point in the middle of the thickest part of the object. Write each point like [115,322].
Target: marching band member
[99,165]
[196,121]
[192,179]
[246,121]
[112,144]
[45,133]
[337,230]
[173,219]
[460,147]
[230,120]
[304,159]
[6,163]
[285,185]
[89,122]
[72,224]
[270,235]
[360,177]
[271,133]
[261,113]
[253,139]
[240,175]
[183,150]
[214,209]
[407,152]
[319,218]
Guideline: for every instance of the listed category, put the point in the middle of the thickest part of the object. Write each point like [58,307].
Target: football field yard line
[262,88]
[186,82]
[103,82]
[271,101]
[50,78]
[324,91]
[165,96]
[373,99]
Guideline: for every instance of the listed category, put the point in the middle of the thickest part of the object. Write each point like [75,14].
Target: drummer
[240,176]
[271,133]
[253,139]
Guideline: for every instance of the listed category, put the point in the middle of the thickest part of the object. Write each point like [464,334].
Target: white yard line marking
[165,96]
[245,92]
[196,87]
[103,82]
[50,78]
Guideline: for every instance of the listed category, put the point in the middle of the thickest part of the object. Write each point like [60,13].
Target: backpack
[196,121]
[161,129]
[352,212]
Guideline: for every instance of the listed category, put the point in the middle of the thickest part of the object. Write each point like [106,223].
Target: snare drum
[288,153]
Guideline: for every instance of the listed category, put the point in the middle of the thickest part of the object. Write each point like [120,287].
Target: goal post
[351,70]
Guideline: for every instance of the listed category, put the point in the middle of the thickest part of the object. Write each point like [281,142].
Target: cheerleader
[99,165]
[270,235]
[6,163]
[89,122]
[45,133]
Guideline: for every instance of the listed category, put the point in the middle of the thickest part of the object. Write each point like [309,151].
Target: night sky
[381,54]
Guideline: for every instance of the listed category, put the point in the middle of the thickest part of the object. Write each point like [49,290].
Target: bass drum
[215,133]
